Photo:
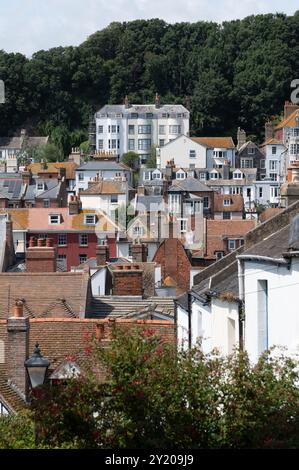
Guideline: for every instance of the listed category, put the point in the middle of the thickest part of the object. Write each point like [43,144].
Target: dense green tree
[236,73]
[156,397]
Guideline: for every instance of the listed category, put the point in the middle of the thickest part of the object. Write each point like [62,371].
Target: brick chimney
[268,131]
[26,176]
[74,205]
[241,137]
[127,279]
[102,254]
[41,256]
[139,252]
[18,347]
[289,108]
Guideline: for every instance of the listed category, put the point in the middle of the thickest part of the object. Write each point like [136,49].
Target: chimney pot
[49,242]
[40,242]
[18,309]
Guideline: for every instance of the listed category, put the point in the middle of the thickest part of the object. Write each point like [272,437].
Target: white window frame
[231,245]
[54,219]
[83,239]
[87,219]
[62,239]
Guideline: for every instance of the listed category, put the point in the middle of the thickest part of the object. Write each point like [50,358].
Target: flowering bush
[156,397]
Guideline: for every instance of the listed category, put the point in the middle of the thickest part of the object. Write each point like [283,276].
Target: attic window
[90,219]
[156,175]
[40,186]
[226,202]
[180,175]
[54,219]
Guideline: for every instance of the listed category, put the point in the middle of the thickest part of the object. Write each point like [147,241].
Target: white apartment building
[123,128]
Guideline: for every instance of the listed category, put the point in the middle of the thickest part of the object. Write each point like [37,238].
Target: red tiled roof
[215,142]
[236,203]
[45,294]
[218,230]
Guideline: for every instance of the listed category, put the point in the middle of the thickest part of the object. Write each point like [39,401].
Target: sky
[27,26]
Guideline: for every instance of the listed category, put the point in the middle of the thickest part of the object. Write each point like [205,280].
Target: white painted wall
[123,136]
[179,151]
[90,175]
[216,325]
[98,282]
[102,202]
[283,317]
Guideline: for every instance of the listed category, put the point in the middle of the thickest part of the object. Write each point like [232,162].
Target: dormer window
[226,202]
[40,186]
[214,175]
[54,219]
[180,175]
[138,231]
[90,219]
[156,175]
[237,175]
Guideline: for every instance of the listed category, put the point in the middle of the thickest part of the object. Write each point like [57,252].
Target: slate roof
[51,191]
[188,184]
[102,166]
[141,109]
[149,203]
[273,246]
[11,188]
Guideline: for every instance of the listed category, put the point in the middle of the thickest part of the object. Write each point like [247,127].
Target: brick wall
[174,262]
[17,351]
[41,259]
[127,281]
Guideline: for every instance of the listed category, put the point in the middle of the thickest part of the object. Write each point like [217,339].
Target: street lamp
[36,367]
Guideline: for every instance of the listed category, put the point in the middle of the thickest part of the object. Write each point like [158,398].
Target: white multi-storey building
[124,128]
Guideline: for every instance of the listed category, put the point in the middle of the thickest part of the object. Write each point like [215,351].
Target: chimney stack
[127,103]
[102,253]
[289,108]
[157,101]
[26,176]
[169,169]
[139,252]
[241,138]
[41,256]
[18,347]
[74,205]
[127,279]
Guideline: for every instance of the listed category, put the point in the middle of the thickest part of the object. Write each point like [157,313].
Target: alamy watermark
[295,93]
[2,92]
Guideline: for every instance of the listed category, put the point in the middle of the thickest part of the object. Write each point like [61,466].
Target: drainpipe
[189,320]
[241,280]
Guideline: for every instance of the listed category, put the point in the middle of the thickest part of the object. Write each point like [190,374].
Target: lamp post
[36,367]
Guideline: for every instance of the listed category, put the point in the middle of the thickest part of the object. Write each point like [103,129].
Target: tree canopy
[235,73]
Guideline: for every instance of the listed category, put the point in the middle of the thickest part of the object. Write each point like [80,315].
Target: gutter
[266,259]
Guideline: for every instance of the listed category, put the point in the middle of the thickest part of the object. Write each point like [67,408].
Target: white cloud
[32,25]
